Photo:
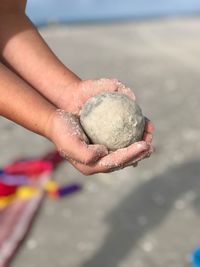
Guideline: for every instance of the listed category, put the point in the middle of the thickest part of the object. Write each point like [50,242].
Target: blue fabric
[44,11]
[196,257]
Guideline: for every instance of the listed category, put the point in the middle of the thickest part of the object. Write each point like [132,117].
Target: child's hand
[79,92]
[72,144]
[121,158]
[73,98]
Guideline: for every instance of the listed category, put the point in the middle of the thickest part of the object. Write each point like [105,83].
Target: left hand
[73,100]
[74,97]
[121,158]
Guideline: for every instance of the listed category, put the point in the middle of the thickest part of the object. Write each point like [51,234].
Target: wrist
[49,125]
[66,96]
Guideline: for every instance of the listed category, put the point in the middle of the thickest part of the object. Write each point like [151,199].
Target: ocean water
[70,11]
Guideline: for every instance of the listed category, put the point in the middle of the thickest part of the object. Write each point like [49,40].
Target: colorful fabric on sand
[22,187]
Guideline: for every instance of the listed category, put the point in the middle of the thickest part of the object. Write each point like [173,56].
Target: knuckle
[90,157]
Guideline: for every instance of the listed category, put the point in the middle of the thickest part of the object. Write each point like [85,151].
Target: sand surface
[147,216]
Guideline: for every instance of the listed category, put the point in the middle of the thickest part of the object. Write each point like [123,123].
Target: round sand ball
[112,119]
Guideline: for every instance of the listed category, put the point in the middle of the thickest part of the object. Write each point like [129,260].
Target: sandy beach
[137,217]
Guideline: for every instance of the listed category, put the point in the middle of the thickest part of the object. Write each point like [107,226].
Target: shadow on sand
[125,231]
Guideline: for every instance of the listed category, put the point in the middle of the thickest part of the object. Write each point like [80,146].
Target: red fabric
[29,167]
[6,190]
[16,218]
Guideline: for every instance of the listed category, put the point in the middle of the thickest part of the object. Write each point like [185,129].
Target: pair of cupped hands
[71,141]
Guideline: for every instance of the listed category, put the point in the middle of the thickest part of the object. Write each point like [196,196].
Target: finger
[149,127]
[87,154]
[135,161]
[147,137]
[138,158]
[113,160]
[84,169]
[148,131]
[95,87]
[71,140]
[90,170]
[121,88]
[121,156]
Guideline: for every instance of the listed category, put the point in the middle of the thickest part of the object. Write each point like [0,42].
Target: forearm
[22,104]
[23,49]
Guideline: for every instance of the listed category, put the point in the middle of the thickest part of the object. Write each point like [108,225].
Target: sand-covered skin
[112,119]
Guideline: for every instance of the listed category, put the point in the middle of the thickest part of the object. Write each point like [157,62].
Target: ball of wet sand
[112,119]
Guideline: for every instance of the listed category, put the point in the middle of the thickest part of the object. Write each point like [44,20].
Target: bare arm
[22,104]
[23,50]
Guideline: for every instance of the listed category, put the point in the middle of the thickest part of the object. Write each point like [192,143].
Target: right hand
[72,143]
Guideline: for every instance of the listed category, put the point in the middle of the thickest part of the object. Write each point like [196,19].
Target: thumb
[83,153]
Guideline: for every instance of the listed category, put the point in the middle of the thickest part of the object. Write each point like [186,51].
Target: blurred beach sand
[137,217]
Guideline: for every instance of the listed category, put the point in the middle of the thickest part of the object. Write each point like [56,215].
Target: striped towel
[16,218]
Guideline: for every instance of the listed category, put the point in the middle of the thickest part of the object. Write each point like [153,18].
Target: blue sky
[84,10]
